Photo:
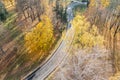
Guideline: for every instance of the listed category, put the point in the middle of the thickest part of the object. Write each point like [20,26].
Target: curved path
[57,57]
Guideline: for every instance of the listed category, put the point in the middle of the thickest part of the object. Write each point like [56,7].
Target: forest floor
[14,64]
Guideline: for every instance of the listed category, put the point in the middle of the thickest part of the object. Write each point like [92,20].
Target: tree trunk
[114,48]
[24,14]
[112,53]
[33,15]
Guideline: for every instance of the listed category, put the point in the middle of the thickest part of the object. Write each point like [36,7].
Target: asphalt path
[55,60]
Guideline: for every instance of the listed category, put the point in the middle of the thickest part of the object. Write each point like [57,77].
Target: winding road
[50,65]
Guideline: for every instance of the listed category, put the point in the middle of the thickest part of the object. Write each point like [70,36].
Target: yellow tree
[9,3]
[105,3]
[40,38]
[98,3]
[86,36]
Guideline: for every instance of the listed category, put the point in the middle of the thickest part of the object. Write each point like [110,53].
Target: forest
[60,40]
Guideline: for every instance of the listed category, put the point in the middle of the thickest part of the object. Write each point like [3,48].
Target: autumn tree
[86,36]
[30,8]
[106,15]
[40,38]
[112,35]
[95,10]
[99,3]
[8,3]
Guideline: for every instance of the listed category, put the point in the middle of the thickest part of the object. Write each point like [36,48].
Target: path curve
[42,72]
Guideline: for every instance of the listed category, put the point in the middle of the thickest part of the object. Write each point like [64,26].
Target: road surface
[57,57]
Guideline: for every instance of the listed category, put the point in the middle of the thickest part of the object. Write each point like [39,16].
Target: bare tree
[30,8]
[94,65]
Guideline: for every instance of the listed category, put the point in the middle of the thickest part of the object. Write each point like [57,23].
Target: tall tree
[40,38]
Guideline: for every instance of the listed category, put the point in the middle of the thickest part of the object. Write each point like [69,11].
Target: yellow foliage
[93,3]
[105,3]
[86,36]
[40,38]
[94,30]
[9,2]
[115,77]
[98,3]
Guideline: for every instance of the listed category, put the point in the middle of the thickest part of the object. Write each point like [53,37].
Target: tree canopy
[3,12]
[40,38]
[86,35]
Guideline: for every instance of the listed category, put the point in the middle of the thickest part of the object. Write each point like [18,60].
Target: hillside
[60,39]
